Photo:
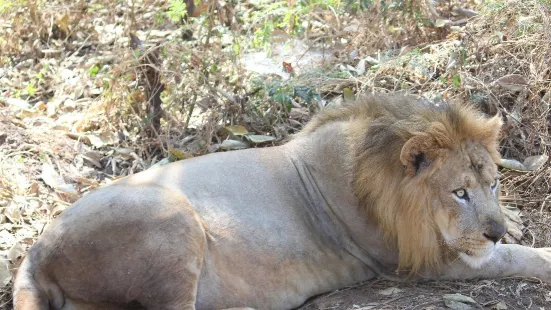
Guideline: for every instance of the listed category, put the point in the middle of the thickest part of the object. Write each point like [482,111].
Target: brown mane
[398,199]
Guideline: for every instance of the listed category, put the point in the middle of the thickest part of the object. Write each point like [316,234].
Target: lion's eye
[494,183]
[461,193]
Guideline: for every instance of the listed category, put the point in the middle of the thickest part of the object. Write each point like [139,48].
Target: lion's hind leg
[120,246]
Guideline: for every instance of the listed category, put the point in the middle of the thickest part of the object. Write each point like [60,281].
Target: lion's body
[263,228]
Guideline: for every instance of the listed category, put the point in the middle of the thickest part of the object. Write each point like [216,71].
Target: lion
[384,187]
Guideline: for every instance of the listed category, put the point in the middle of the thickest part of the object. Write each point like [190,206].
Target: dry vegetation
[79,81]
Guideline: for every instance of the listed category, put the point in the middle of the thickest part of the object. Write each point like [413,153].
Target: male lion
[387,184]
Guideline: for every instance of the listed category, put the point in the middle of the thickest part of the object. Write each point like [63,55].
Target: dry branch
[150,78]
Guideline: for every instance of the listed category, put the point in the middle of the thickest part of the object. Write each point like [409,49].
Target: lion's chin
[478,259]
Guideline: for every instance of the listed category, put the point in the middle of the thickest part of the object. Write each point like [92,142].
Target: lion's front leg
[507,260]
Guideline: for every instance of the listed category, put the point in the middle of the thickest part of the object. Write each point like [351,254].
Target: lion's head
[427,175]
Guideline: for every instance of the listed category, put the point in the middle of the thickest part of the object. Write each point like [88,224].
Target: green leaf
[456,81]
[93,71]
[31,90]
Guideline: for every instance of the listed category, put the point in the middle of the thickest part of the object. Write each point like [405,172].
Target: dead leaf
[125,153]
[237,130]
[233,145]
[459,302]
[93,157]
[5,274]
[26,113]
[16,252]
[50,176]
[63,24]
[535,162]
[57,209]
[439,23]
[15,104]
[103,139]
[33,190]
[55,181]
[459,298]
[512,164]
[86,181]
[68,189]
[512,82]
[360,68]
[177,153]
[499,306]
[389,291]
[257,139]
[366,308]
[348,95]
[7,239]
[40,106]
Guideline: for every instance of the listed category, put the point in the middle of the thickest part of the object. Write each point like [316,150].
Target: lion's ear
[418,153]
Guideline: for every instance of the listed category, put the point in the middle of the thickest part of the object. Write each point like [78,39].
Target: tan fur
[363,190]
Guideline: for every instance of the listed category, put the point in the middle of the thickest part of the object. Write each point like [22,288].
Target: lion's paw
[514,225]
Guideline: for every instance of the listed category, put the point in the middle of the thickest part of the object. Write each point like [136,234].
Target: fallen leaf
[534,162]
[93,157]
[63,24]
[360,69]
[55,181]
[68,189]
[13,213]
[348,95]
[257,139]
[233,145]
[439,23]
[26,113]
[512,82]
[455,305]
[15,104]
[389,291]
[86,181]
[237,130]
[512,164]
[499,306]
[459,302]
[177,153]
[124,153]
[5,274]
[103,139]
[459,298]
[33,190]
[16,252]
[6,238]
[50,176]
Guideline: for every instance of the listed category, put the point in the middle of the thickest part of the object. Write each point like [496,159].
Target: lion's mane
[398,199]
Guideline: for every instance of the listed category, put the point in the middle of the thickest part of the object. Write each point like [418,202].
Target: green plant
[456,81]
[177,10]
[31,89]
[93,71]
[288,18]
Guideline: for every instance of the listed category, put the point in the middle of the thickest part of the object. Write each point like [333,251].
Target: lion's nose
[495,231]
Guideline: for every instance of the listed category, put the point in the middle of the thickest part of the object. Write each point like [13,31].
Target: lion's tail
[32,294]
